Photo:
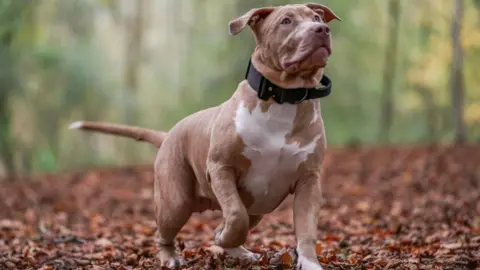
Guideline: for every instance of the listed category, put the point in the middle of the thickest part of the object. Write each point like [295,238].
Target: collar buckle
[265,91]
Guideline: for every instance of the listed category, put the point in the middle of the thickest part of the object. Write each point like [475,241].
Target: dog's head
[292,38]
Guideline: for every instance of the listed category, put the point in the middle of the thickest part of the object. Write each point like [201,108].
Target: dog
[245,156]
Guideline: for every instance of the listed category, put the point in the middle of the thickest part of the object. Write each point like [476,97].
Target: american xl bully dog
[246,155]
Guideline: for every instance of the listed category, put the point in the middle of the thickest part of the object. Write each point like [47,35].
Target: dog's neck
[307,112]
[302,79]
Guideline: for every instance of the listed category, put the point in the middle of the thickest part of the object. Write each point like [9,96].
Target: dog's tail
[140,134]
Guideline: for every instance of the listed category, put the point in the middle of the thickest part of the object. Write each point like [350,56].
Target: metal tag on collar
[304,97]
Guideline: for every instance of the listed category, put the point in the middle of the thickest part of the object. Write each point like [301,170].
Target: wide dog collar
[266,89]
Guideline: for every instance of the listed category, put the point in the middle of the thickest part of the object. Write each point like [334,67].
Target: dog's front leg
[236,220]
[241,251]
[305,211]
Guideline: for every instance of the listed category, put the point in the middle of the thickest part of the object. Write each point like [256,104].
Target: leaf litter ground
[383,208]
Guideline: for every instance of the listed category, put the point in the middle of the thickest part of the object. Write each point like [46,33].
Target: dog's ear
[326,13]
[251,18]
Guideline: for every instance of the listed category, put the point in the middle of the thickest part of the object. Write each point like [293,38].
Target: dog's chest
[273,161]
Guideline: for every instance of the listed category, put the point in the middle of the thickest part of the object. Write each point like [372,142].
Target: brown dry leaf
[332,237]
[82,262]
[352,259]
[30,215]
[132,259]
[189,253]
[318,249]
[393,248]
[452,245]
[362,206]
[10,224]
[286,259]
[407,176]
[276,244]
[264,261]
[103,242]
[323,259]
[145,230]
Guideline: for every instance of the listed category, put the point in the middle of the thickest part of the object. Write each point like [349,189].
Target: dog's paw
[306,264]
[169,259]
[218,236]
[230,237]
[241,252]
[173,263]
[233,231]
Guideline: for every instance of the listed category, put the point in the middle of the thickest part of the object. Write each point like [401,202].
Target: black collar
[267,89]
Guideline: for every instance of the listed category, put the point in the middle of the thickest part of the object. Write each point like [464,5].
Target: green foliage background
[152,62]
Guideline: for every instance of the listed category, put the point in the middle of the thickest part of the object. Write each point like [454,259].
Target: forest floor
[384,208]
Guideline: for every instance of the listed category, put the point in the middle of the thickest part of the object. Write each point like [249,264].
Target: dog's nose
[322,29]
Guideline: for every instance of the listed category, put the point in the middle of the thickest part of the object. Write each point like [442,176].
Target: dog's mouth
[317,57]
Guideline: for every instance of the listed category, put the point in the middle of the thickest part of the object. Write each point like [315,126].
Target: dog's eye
[286,21]
[317,18]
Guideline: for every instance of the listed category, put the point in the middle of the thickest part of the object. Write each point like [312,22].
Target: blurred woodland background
[403,72]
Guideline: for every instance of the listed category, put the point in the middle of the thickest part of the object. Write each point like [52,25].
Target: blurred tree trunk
[6,86]
[387,106]
[430,108]
[477,3]
[456,80]
[10,23]
[134,40]
[426,92]
[134,50]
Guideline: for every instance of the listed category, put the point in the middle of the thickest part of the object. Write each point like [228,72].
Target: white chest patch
[273,161]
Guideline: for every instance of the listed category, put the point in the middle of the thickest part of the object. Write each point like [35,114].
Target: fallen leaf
[103,242]
[452,245]
[264,260]
[323,259]
[352,259]
[286,259]
[362,206]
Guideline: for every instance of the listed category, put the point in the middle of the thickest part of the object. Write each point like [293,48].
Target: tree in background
[11,16]
[7,85]
[387,104]
[134,27]
[456,80]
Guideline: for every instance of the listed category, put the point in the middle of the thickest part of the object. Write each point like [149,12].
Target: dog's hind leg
[173,207]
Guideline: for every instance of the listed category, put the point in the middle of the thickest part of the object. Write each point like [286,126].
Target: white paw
[241,252]
[305,264]
[174,263]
